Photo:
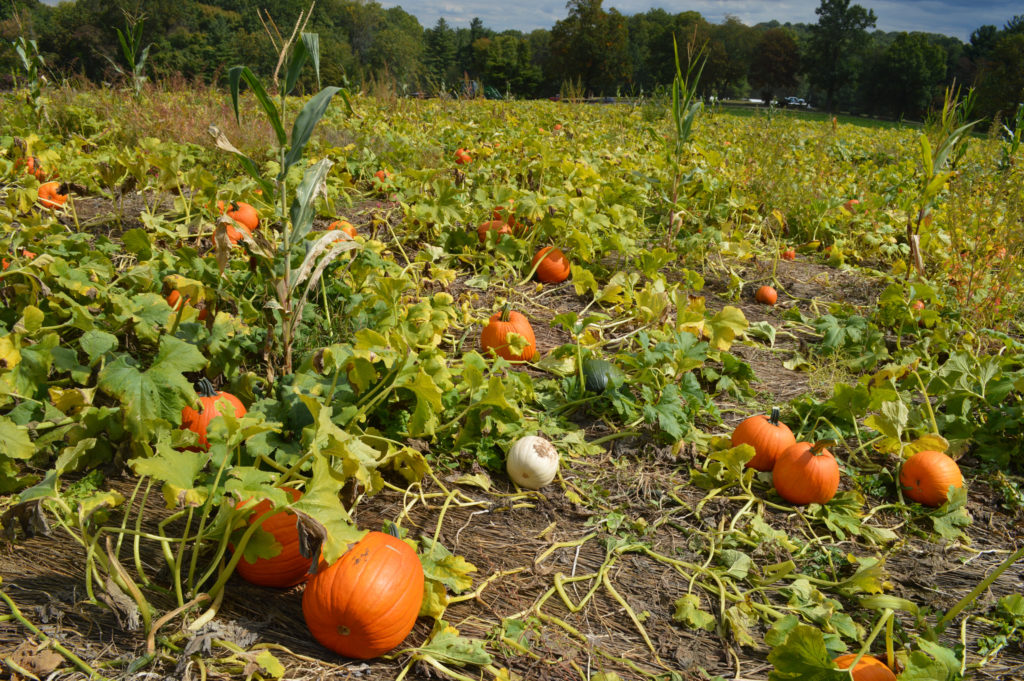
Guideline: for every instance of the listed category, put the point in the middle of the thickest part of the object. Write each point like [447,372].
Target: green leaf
[688,612]
[268,663]
[738,564]
[303,205]
[428,403]
[804,657]
[178,471]
[158,393]
[137,241]
[726,326]
[15,441]
[307,119]
[440,565]
[950,518]
[446,646]
[320,501]
[763,330]
[300,54]
[97,343]
[238,73]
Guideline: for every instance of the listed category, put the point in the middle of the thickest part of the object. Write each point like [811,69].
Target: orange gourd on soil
[868,669]
[767,435]
[498,226]
[806,474]
[345,226]
[211,404]
[366,603]
[495,335]
[53,194]
[554,266]
[287,568]
[766,295]
[242,213]
[927,476]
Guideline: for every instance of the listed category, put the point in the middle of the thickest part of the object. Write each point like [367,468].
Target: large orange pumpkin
[806,474]
[53,194]
[287,568]
[495,335]
[502,228]
[554,266]
[767,435]
[366,603]
[211,404]
[242,213]
[927,476]
[868,669]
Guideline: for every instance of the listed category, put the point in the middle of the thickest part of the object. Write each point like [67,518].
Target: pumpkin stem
[205,388]
[820,445]
[506,311]
[234,206]
[774,419]
[391,529]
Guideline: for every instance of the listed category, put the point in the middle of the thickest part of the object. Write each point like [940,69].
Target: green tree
[777,63]
[913,74]
[593,45]
[439,51]
[1001,81]
[840,33]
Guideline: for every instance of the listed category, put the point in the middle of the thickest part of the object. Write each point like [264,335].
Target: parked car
[795,103]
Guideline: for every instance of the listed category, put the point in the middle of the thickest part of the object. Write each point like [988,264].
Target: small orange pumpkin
[927,476]
[868,669]
[366,603]
[789,254]
[767,435]
[501,324]
[498,226]
[554,266]
[345,226]
[287,568]
[211,405]
[462,156]
[382,175]
[506,213]
[53,195]
[174,297]
[32,167]
[242,213]
[806,474]
[24,253]
[766,295]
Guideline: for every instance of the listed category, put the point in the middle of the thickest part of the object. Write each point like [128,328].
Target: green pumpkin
[598,374]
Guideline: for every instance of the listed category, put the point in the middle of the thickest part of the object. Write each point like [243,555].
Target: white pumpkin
[532,462]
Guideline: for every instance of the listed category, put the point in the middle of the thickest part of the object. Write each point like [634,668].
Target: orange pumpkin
[766,295]
[495,335]
[553,267]
[24,253]
[174,297]
[53,194]
[366,603]
[868,669]
[806,474]
[506,213]
[789,254]
[382,175]
[32,167]
[498,226]
[927,476]
[211,405]
[242,213]
[287,568]
[767,435]
[345,226]
[462,156]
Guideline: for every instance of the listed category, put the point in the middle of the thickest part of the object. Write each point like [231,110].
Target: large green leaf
[307,119]
[15,441]
[804,657]
[320,501]
[158,393]
[303,205]
[238,73]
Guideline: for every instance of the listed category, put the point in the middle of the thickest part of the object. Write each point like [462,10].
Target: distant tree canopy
[834,63]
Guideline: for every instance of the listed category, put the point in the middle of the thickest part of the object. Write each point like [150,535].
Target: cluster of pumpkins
[362,605]
[52,194]
[806,473]
[365,603]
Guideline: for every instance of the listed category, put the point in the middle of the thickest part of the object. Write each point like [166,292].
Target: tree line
[838,63]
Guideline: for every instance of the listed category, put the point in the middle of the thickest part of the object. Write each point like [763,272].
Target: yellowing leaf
[10,355]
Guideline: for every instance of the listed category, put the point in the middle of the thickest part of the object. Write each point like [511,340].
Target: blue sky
[951,17]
